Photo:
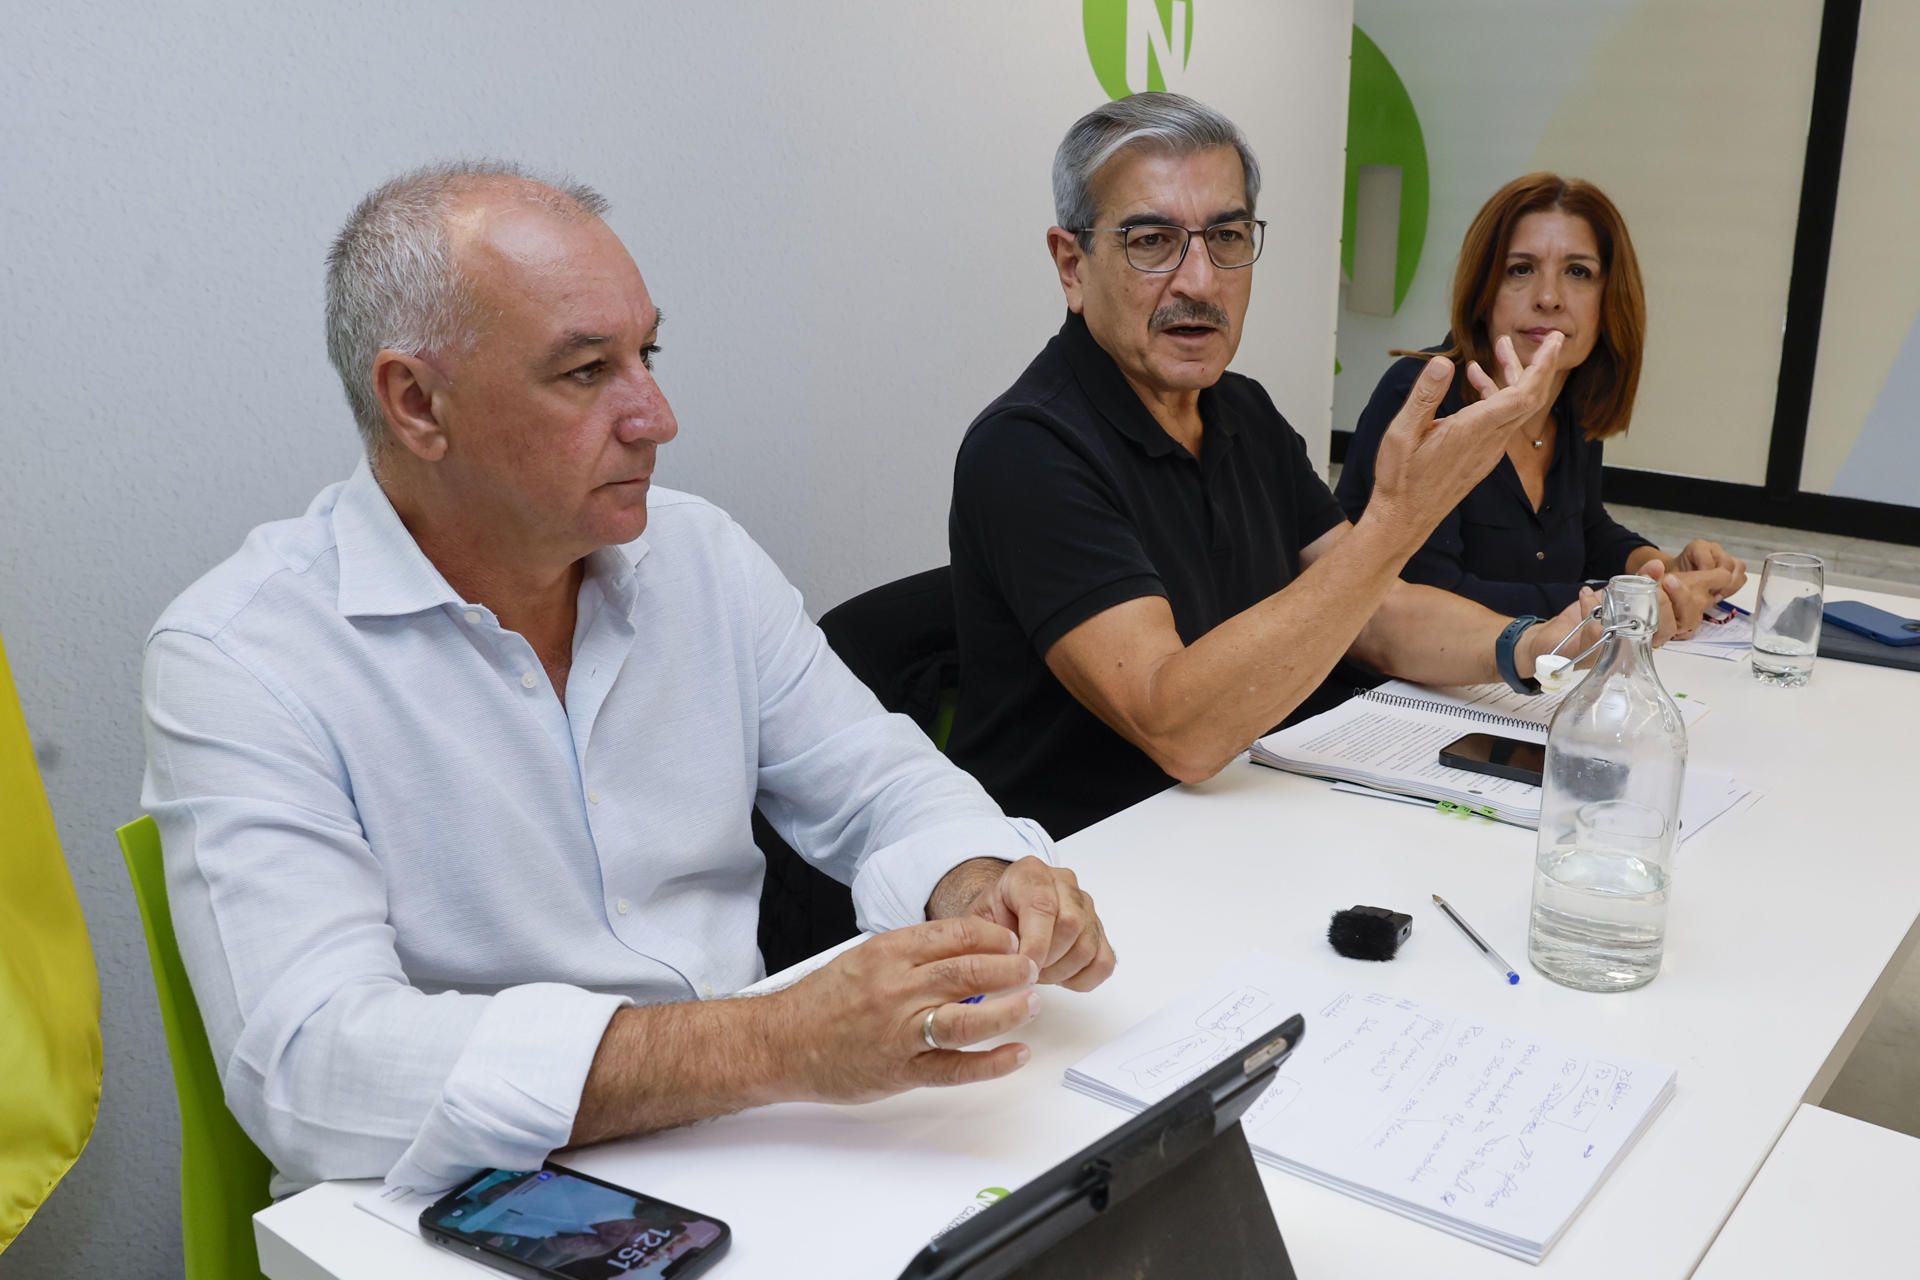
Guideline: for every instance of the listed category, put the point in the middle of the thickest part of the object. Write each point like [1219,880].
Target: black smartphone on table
[557,1223]
[1497,757]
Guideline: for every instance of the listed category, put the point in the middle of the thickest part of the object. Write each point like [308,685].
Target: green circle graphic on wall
[1133,44]
[1383,129]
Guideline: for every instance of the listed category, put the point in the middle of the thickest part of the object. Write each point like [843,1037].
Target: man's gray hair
[391,277]
[1167,122]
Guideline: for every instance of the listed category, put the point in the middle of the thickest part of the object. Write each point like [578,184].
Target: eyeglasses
[1156,248]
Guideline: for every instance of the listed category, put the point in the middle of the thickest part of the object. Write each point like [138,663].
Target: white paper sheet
[1726,633]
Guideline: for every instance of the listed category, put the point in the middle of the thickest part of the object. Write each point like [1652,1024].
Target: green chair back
[223,1176]
[942,727]
[50,1051]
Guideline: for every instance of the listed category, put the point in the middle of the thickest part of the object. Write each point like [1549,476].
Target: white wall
[1701,151]
[1481,119]
[839,205]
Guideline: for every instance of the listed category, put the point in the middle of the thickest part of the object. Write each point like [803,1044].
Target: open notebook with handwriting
[1481,1130]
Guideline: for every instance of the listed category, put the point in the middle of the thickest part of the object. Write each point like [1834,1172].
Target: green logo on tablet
[1138,45]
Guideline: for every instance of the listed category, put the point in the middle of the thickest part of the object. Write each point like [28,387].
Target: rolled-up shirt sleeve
[331,1061]
[861,793]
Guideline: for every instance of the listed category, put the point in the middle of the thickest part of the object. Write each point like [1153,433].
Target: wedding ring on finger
[926,1031]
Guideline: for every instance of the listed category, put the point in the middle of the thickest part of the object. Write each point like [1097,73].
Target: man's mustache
[1188,311]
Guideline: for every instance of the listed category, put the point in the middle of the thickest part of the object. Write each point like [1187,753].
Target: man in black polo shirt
[1148,572]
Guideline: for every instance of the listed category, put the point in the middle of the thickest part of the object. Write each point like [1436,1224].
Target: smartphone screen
[555,1222]
[1499,757]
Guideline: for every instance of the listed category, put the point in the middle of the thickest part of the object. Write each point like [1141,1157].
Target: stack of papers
[1725,632]
[1480,1130]
[1389,739]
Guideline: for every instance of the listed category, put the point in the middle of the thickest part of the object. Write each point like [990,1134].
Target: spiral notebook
[1389,739]
[1495,704]
[1483,1131]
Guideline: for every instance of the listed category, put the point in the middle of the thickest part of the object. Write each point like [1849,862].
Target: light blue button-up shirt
[411,886]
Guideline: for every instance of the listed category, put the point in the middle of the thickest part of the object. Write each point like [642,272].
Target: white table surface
[1786,920]
[1838,1197]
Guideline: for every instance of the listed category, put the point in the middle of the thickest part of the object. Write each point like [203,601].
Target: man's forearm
[1240,679]
[1432,636]
[667,1065]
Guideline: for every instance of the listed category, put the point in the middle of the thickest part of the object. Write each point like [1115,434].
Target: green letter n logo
[1136,45]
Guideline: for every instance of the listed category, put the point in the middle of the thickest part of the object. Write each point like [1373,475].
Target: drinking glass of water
[1786,617]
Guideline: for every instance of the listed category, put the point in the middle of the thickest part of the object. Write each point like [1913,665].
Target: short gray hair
[391,277]
[1168,122]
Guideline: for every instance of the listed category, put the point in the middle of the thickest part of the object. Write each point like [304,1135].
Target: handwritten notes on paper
[1219,1030]
[1479,1129]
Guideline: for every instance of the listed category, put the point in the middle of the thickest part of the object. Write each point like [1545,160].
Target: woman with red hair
[1545,253]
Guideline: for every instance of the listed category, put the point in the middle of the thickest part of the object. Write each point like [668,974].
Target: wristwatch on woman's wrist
[1503,655]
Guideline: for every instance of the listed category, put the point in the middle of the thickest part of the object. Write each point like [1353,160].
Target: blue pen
[1492,956]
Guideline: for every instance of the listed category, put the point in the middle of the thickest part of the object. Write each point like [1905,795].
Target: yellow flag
[50,1056]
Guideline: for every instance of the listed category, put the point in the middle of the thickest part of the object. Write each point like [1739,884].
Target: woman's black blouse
[1494,547]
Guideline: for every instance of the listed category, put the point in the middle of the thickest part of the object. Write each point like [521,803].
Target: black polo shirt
[1068,499]
[1494,547]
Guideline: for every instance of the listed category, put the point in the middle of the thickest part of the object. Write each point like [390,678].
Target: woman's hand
[1693,592]
[1702,554]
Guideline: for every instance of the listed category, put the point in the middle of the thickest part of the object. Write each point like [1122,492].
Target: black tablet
[1172,1192]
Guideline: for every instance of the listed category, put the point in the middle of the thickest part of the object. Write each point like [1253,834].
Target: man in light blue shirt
[454,772]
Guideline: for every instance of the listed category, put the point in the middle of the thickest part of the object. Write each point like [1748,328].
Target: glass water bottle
[1610,810]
